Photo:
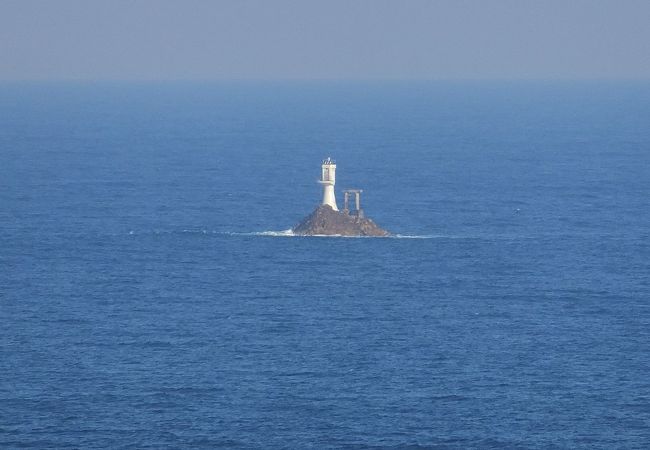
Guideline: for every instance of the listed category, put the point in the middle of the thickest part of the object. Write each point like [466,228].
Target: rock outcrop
[325,221]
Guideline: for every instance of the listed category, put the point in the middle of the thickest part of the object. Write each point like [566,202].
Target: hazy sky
[370,39]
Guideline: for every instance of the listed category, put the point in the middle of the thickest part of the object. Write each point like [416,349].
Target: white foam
[411,236]
[290,233]
[285,233]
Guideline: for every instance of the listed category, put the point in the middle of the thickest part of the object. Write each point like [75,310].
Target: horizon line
[318,80]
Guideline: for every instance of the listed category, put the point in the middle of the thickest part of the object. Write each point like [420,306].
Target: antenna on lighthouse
[328,179]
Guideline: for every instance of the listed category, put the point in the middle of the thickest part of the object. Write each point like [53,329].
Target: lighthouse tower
[328,178]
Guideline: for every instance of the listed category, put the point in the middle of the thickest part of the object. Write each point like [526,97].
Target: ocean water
[150,296]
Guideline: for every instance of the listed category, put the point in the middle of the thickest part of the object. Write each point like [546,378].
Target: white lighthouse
[328,178]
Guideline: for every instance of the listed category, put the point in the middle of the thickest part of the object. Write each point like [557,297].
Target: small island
[325,221]
[328,220]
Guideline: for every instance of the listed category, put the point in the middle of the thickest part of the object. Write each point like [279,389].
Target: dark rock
[325,221]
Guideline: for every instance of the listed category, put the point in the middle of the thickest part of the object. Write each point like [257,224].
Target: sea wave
[284,233]
[290,233]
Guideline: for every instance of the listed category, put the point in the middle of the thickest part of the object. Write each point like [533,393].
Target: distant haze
[372,39]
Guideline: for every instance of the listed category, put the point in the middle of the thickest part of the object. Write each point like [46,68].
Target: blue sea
[150,296]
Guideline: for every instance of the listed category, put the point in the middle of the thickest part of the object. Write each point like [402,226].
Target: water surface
[146,298]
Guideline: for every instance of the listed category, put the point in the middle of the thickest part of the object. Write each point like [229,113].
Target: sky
[328,39]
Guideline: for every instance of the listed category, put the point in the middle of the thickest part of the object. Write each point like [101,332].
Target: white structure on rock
[328,178]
